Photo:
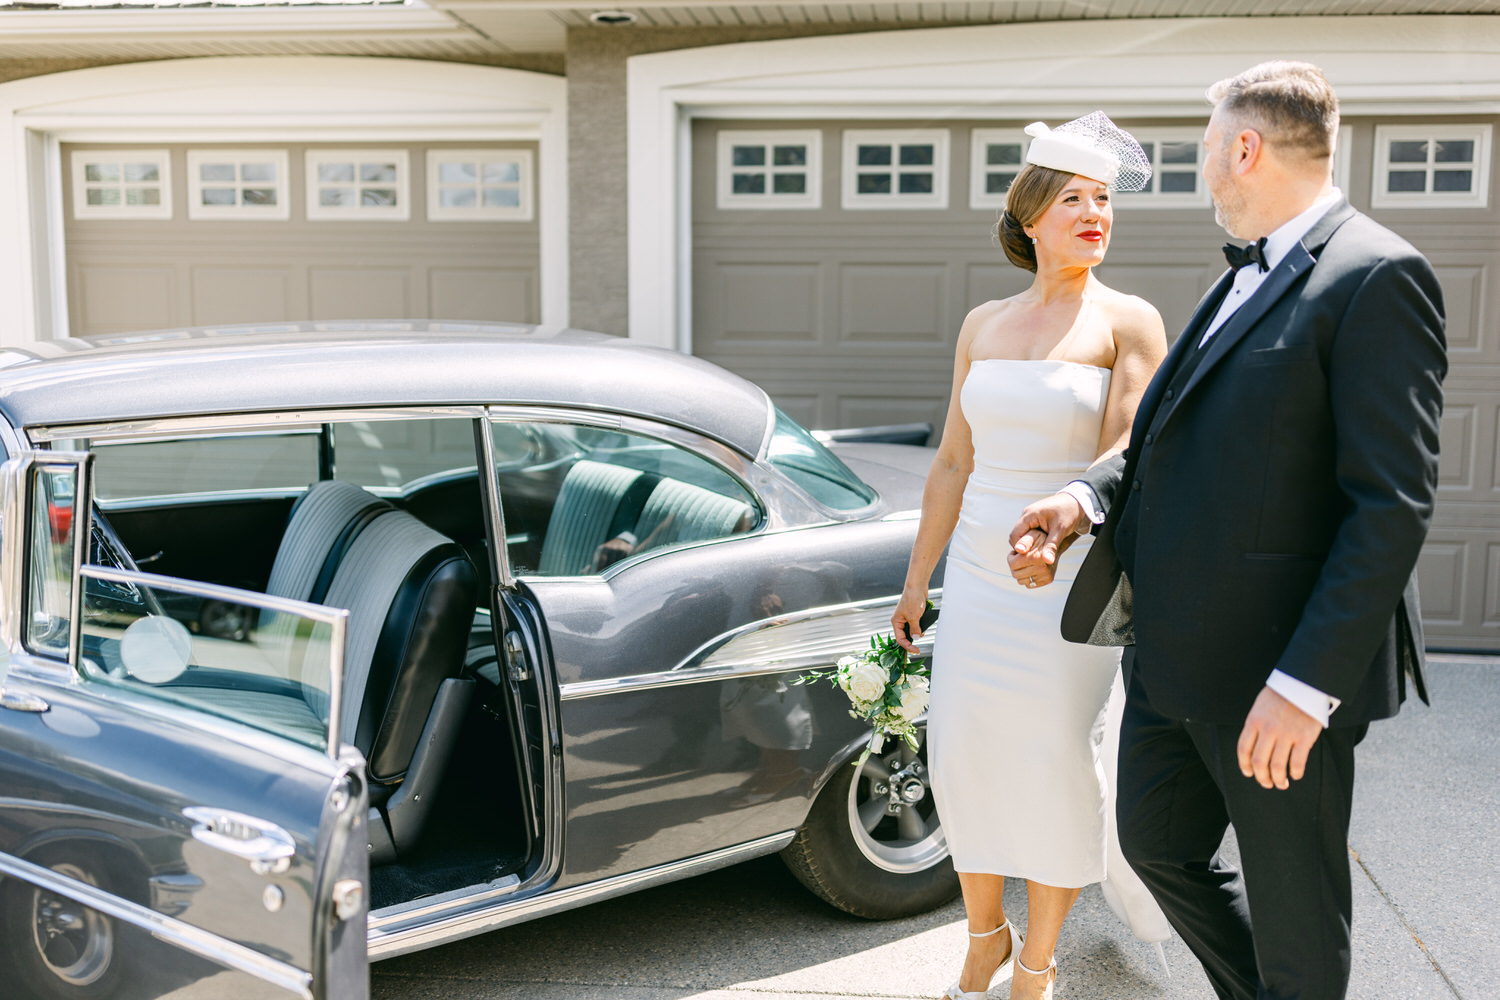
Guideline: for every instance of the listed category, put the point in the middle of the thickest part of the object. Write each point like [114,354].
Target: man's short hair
[1291,104]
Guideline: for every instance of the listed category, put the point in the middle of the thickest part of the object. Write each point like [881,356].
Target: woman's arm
[943,495]
[1140,346]
[1049,526]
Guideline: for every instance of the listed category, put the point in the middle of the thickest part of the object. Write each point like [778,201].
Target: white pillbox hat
[1091,146]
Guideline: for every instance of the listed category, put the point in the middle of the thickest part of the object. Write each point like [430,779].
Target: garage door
[834,261]
[185,235]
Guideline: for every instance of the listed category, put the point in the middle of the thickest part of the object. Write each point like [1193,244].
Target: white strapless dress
[1023,726]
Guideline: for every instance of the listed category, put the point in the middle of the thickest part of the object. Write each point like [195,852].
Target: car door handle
[267,847]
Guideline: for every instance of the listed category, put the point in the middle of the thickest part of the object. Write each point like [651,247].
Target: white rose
[914,698]
[867,682]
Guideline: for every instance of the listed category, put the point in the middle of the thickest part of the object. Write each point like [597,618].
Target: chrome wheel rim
[891,812]
[75,943]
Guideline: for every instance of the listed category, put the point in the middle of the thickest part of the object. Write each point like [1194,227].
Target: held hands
[1044,532]
[1276,740]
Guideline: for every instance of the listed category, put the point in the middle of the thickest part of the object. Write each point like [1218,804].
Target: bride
[1044,383]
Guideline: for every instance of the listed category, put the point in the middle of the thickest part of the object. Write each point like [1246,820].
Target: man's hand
[1276,740]
[1045,530]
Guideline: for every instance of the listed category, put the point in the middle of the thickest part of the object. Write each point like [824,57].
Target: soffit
[478,29]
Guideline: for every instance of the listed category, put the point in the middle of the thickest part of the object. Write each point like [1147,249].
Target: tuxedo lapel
[1186,343]
[1296,263]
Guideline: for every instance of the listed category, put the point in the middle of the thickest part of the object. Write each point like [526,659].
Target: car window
[275,673]
[384,454]
[138,469]
[805,461]
[578,499]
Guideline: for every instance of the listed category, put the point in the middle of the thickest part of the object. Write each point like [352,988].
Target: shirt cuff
[1302,694]
[1087,499]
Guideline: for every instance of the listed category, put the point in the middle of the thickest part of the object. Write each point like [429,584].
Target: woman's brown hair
[1030,194]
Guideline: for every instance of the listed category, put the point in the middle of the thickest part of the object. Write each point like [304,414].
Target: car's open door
[178,816]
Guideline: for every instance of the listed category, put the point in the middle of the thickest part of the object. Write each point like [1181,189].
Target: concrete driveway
[1426,907]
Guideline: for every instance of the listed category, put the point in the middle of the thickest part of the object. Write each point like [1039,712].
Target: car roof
[304,366]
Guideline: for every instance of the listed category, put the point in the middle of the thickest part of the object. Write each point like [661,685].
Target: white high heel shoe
[955,992]
[1050,972]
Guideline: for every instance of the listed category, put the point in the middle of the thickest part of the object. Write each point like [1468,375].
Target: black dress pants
[1279,930]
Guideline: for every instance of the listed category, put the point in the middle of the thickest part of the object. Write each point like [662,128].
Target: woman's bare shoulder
[1131,318]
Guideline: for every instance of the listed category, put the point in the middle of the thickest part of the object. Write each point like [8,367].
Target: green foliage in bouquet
[886,687]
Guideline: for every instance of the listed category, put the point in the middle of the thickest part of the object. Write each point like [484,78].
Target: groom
[1257,543]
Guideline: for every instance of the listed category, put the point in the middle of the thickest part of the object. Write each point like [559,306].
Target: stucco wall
[599,258]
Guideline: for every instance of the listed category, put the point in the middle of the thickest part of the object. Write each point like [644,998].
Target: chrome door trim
[499,540]
[226,953]
[796,641]
[390,935]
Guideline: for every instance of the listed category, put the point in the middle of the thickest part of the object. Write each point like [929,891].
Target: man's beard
[1227,212]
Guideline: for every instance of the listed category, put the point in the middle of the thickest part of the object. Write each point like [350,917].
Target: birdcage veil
[1092,146]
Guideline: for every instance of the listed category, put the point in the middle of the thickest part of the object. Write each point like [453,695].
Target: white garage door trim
[1381,65]
[252,99]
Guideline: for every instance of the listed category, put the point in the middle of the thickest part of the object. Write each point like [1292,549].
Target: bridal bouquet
[885,686]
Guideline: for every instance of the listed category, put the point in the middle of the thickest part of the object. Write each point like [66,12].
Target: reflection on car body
[445,628]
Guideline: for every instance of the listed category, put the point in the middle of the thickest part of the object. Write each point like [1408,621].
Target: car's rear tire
[56,948]
[872,844]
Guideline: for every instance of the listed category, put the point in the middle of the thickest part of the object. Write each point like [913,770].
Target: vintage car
[328,643]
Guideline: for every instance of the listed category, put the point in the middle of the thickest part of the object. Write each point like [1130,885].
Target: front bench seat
[323,524]
[411,594]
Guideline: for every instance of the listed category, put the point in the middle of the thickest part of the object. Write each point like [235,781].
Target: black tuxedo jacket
[1270,508]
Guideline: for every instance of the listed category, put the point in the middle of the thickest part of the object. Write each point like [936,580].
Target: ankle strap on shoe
[992,933]
[1036,972]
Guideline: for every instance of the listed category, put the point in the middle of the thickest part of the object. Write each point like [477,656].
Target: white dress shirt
[1247,279]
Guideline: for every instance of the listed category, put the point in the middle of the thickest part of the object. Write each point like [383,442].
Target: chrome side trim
[799,641]
[389,938]
[229,954]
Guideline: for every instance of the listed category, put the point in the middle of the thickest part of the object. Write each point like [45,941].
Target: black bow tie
[1239,257]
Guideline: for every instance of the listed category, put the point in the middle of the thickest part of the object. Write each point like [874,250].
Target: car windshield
[804,460]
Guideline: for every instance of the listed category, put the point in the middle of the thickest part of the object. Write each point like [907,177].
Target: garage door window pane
[749,156]
[768,169]
[1431,166]
[478,185]
[790,156]
[579,499]
[237,184]
[1453,180]
[132,184]
[502,172]
[1409,152]
[369,185]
